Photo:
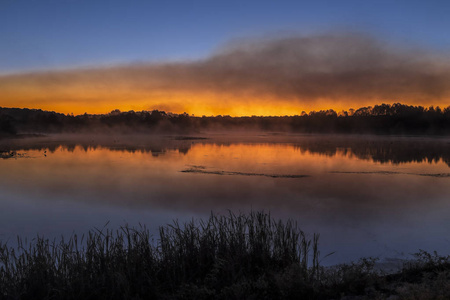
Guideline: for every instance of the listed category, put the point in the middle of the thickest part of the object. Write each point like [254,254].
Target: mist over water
[366,196]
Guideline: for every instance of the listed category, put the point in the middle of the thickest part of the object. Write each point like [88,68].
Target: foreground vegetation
[225,257]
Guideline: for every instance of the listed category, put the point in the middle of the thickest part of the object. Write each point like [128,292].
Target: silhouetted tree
[379,119]
[6,126]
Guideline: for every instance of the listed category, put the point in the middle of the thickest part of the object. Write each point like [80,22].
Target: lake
[375,196]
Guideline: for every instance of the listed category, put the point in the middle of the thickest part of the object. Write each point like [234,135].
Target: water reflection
[359,193]
[380,149]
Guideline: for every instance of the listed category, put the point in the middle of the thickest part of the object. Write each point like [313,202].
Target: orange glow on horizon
[275,76]
[79,100]
[207,104]
[69,94]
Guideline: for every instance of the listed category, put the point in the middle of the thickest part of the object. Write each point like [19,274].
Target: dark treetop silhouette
[380,119]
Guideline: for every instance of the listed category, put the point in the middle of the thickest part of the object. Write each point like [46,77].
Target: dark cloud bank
[351,68]
[336,66]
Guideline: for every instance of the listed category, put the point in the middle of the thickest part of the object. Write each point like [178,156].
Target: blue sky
[47,34]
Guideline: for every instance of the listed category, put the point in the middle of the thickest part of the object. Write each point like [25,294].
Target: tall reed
[211,255]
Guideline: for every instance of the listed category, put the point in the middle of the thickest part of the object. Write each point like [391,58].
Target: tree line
[380,119]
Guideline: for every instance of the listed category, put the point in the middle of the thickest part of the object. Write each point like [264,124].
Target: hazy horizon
[274,75]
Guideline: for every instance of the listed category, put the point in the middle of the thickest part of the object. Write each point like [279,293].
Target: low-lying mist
[381,119]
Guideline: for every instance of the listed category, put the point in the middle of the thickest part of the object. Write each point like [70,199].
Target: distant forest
[380,119]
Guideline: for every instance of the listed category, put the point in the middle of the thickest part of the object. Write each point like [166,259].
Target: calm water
[366,196]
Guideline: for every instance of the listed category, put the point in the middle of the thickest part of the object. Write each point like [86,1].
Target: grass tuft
[243,256]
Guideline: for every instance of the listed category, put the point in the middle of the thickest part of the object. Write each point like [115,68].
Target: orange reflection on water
[114,173]
[371,203]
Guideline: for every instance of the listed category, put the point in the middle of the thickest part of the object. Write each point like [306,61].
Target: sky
[70,46]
